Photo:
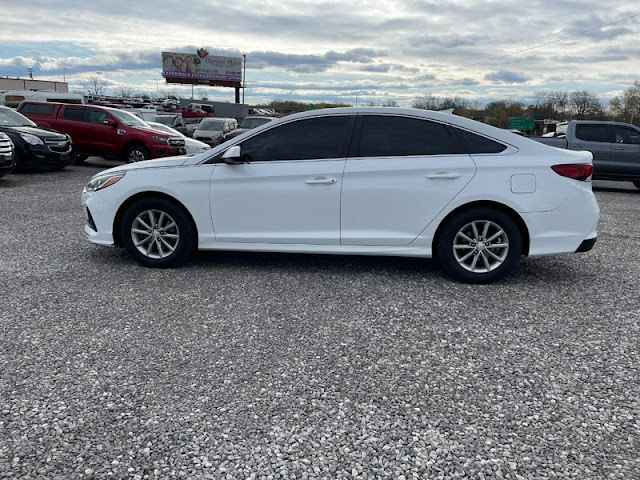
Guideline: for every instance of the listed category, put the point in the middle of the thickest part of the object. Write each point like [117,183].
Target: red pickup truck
[103,131]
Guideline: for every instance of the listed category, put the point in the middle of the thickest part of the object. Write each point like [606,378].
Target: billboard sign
[201,68]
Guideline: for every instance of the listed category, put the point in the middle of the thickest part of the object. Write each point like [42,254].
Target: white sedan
[373,181]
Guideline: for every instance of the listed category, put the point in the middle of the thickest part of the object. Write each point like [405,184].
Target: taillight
[580,171]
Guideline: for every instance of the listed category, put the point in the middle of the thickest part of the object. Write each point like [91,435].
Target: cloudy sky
[311,51]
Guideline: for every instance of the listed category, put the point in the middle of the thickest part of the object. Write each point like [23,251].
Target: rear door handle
[443,176]
[321,181]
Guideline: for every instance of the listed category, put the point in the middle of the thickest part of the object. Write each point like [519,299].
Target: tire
[637,183]
[157,233]
[466,256]
[136,153]
[79,159]
[18,163]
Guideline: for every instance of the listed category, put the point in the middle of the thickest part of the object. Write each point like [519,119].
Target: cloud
[506,76]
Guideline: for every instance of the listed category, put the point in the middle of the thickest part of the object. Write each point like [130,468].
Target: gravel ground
[301,366]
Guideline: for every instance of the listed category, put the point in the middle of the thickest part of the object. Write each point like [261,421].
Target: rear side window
[37,109]
[592,133]
[389,136]
[478,144]
[75,114]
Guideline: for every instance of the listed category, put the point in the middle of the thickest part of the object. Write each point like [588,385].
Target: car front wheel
[157,233]
[136,153]
[479,245]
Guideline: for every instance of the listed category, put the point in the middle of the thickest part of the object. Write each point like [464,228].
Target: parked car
[247,123]
[176,121]
[198,110]
[615,147]
[194,147]
[389,181]
[6,154]
[103,131]
[34,147]
[212,131]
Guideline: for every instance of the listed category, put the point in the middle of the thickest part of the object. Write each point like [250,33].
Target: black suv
[34,147]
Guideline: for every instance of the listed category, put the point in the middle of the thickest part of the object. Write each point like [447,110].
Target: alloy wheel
[481,246]
[155,234]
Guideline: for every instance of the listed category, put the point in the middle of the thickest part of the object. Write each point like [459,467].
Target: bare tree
[389,103]
[627,106]
[585,105]
[94,86]
[125,91]
[559,101]
[427,102]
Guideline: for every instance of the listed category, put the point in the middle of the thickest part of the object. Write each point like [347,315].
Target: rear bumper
[587,245]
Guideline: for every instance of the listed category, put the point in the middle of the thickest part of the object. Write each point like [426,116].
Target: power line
[537,46]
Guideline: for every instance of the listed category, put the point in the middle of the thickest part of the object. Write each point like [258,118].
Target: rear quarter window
[476,144]
[37,109]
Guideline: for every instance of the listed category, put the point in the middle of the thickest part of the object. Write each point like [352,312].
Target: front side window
[97,117]
[592,133]
[306,139]
[75,114]
[385,136]
[627,135]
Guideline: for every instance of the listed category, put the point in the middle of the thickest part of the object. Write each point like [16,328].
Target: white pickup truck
[615,147]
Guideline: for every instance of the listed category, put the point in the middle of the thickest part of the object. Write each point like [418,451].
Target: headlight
[160,139]
[103,181]
[31,139]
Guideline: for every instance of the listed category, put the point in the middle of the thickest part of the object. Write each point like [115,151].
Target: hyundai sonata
[355,181]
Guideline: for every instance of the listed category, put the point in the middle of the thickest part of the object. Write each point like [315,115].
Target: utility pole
[30,70]
[244,70]
[64,77]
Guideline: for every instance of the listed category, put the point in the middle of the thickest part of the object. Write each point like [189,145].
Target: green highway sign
[521,123]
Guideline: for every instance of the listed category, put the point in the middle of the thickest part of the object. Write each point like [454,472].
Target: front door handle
[321,181]
[618,148]
[443,176]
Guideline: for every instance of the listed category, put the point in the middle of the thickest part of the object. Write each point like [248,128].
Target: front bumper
[41,156]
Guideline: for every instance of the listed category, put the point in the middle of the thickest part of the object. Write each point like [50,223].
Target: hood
[164,162]
[40,132]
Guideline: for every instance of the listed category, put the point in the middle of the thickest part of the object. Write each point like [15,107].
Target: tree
[427,102]
[559,101]
[94,86]
[125,91]
[627,106]
[389,103]
[586,105]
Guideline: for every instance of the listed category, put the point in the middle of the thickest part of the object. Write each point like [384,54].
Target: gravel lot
[300,366]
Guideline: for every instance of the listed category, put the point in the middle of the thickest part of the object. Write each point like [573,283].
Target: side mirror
[109,122]
[232,155]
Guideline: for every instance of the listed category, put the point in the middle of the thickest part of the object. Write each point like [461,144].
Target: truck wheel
[480,245]
[158,233]
[637,183]
[136,153]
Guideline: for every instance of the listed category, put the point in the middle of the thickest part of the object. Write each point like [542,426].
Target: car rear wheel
[157,233]
[136,153]
[479,245]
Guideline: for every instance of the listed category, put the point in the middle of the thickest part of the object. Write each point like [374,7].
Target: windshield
[128,118]
[211,125]
[164,120]
[254,122]
[11,118]
[164,128]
